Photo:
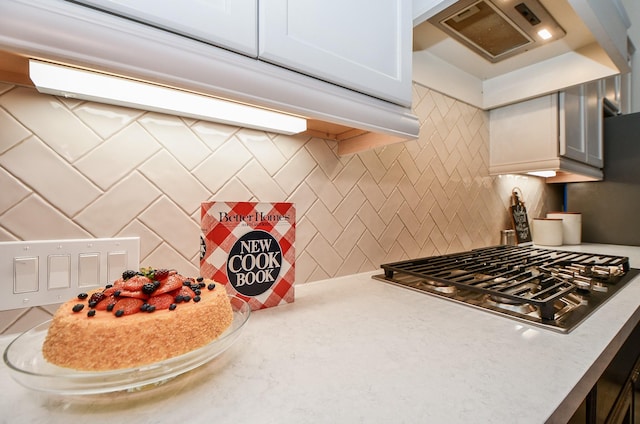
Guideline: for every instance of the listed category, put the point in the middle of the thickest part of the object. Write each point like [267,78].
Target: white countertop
[357,350]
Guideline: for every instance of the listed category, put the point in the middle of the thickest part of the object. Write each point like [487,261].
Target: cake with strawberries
[144,317]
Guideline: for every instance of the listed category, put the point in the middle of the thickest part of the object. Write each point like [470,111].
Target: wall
[74,169]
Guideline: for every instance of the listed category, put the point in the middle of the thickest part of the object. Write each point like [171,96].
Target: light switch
[46,272]
[116,264]
[59,271]
[88,269]
[25,274]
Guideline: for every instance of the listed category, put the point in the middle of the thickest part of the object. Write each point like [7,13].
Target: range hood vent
[498,29]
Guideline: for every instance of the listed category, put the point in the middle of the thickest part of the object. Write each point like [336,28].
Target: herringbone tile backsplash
[73,169]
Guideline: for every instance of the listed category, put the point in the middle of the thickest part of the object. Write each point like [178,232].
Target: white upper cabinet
[559,132]
[232,24]
[332,62]
[359,44]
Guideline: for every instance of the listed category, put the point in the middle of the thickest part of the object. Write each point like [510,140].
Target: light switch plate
[44,272]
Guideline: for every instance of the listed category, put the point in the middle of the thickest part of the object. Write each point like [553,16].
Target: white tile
[374,165]
[388,210]
[324,188]
[303,198]
[222,165]
[289,145]
[176,137]
[50,175]
[305,232]
[407,240]
[167,257]
[34,219]
[318,274]
[12,191]
[232,191]
[371,248]
[118,156]
[324,254]
[426,226]
[349,176]
[214,135]
[353,263]
[371,190]
[263,149]
[119,206]
[8,317]
[408,164]
[350,203]
[173,226]
[423,159]
[389,154]
[50,309]
[305,265]
[424,106]
[54,123]
[391,178]
[391,232]
[260,184]
[409,193]
[12,131]
[5,236]
[149,241]
[70,102]
[324,221]
[105,119]
[295,171]
[349,237]
[27,320]
[325,156]
[371,219]
[175,181]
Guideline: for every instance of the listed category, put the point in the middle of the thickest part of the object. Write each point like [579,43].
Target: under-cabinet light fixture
[72,82]
[545,174]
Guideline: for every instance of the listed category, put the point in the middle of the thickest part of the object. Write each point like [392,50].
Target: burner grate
[515,274]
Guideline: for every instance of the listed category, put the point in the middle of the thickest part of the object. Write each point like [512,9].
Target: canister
[508,237]
[547,231]
[571,226]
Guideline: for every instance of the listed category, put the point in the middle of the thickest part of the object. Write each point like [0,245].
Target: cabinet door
[358,44]
[594,125]
[573,124]
[581,123]
[231,24]
[524,133]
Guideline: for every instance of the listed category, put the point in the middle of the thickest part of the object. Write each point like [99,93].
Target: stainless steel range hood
[497,30]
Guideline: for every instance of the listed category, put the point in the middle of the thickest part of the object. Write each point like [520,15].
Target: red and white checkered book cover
[249,247]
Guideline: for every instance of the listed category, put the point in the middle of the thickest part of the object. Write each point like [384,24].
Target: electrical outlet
[43,272]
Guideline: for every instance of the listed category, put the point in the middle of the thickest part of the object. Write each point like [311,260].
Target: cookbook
[249,247]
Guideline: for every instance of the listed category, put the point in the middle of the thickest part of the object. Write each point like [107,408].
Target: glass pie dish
[23,357]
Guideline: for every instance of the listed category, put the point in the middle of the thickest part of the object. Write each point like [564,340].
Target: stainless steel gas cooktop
[554,289]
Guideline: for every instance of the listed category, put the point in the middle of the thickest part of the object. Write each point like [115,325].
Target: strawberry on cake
[142,318]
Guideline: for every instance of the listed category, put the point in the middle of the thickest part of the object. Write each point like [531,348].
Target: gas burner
[509,304]
[431,286]
[439,287]
[553,289]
